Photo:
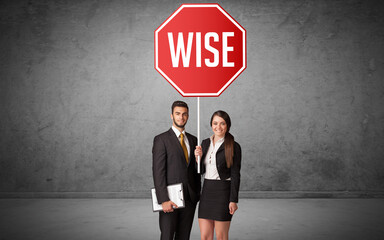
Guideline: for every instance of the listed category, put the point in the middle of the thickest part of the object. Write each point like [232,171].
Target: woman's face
[219,126]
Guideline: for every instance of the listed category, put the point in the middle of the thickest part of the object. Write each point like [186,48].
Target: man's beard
[179,126]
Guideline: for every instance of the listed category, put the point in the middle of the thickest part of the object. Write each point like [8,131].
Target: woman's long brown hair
[229,139]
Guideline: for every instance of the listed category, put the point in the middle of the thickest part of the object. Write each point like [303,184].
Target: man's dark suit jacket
[169,166]
[221,164]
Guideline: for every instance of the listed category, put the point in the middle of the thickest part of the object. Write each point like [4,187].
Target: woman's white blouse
[211,172]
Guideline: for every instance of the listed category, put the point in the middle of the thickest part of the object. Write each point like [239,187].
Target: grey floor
[256,219]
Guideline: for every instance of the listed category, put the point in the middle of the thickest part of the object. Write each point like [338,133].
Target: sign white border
[170,80]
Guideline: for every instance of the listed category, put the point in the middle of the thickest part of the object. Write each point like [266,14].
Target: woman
[221,161]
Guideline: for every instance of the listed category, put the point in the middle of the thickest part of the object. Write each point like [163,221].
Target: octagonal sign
[200,49]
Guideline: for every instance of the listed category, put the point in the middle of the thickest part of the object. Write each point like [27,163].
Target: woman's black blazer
[233,172]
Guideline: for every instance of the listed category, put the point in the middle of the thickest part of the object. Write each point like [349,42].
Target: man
[174,162]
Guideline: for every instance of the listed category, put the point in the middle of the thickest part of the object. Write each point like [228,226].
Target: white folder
[175,194]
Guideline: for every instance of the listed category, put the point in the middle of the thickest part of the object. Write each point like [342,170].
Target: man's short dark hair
[179,104]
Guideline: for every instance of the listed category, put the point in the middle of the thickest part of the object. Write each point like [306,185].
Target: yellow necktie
[184,147]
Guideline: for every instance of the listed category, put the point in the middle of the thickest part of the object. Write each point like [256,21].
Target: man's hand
[168,206]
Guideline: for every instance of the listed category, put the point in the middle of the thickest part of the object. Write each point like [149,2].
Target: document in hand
[175,193]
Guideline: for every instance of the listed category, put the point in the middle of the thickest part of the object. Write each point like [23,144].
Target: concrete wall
[80,101]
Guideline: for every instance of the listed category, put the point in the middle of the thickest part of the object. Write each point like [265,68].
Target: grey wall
[81,101]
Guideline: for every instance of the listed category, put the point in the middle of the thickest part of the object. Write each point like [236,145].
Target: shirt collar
[177,132]
[219,141]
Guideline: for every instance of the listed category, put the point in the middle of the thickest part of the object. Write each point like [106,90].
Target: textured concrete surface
[256,219]
[80,101]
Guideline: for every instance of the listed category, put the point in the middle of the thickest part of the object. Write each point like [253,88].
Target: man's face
[180,116]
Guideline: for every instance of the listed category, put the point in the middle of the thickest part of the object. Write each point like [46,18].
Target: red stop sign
[200,49]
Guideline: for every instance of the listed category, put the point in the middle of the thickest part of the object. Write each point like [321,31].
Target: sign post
[200,50]
[198,132]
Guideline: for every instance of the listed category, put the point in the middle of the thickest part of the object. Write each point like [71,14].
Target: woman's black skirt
[214,200]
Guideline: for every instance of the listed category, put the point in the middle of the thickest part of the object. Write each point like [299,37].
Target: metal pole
[198,132]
